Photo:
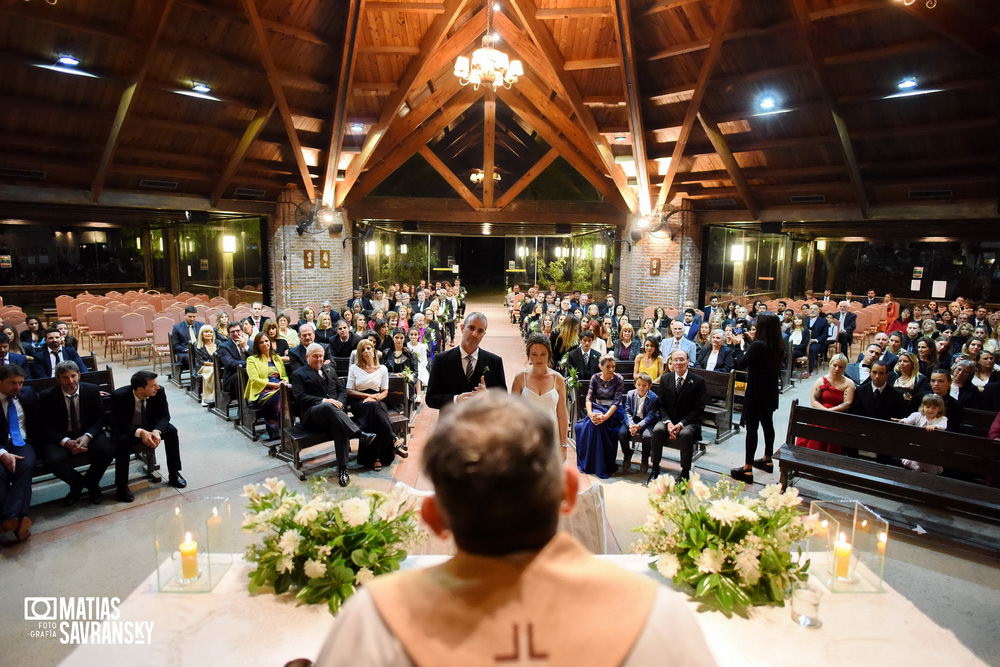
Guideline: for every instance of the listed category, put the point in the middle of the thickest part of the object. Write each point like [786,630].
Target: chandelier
[489,65]
[478,175]
[930,4]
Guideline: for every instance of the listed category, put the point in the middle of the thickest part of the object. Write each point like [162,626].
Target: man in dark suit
[139,412]
[980,319]
[422,303]
[358,297]
[877,398]
[848,322]
[463,371]
[18,417]
[860,371]
[72,423]
[691,323]
[713,306]
[818,329]
[345,342]
[232,353]
[68,341]
[52,354]
[320,399]
[8,358]
[641,410]
[584,358]
[297,354]
[870,299]
[682,400]
[885,355]
[256,318]
[185,333]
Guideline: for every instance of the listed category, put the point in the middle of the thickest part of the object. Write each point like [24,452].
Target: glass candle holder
[848,548]
[194,545]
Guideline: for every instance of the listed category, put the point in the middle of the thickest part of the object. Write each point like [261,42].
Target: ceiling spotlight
[496,6]
[357,128]
[202,88]
[907,83]
[620,138]
[68,60]
[66,64]
[767,103]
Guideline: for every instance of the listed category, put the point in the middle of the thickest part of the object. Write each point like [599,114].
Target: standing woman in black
[762,361]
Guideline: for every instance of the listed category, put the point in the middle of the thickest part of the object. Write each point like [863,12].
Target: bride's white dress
[546,402]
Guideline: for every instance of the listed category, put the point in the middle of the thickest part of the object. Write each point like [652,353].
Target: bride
[543,386]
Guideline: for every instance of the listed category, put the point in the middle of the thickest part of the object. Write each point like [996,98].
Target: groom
[463,371]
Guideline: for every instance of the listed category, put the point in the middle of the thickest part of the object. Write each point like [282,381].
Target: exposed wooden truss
[344,81]
[630,83]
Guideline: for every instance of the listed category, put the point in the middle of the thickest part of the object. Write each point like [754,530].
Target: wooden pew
[105,381]
[719,409]
[968,455]
[223,399]
[247,417]
[294,439]
[976,422]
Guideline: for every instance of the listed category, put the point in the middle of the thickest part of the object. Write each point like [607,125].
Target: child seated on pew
[931,417]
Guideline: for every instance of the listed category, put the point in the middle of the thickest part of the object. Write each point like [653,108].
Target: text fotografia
[84,620]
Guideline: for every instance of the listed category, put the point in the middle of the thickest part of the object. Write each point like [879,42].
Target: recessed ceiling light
[620,138]
[496,6]
[68,60]
[767,103]
[907,83]
[199,90]
[66,64]
[357,128]
[199,87]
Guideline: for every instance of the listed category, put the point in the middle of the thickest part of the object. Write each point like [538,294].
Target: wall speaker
[770,227]
[563,229]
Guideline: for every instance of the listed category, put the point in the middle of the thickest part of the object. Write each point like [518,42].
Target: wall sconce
[228,243]
[738,252]
[403,249]
[522,251]
[138,243]
[821,245]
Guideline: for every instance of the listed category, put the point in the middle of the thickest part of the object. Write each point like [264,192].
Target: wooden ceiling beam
[937,86]
[722,19]
[450,110]
[404,127]
[859,7]
[543,39]
[77,24]
[702,44]
[808,36]
[448,175]
[429,44]
[949,21]
[271,70]
[529,176]
[728,161]
[250,134]
[658,6]
[522,44]
[388,50]
[489,146]
[883,52]
[557,13]
[526,110]
[452,210]
[927,128]
[408,7]
[144,58]
[591,63]
[342,100]
[271,26]
[630,84]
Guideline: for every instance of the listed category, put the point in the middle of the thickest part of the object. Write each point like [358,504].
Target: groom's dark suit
[447,378]
[310,388]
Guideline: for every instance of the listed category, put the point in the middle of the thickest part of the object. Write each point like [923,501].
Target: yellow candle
[842,557]
[189,558]
[215,520]
[883,538]
[823,528]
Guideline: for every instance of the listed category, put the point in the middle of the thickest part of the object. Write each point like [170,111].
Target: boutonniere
[486,369]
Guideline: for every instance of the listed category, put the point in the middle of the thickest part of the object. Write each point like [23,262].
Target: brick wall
[676,283]
[292,284]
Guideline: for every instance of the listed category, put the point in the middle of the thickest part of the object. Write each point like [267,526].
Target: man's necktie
[194,338]
[680,383]
[142,413]
[470,367]
[74,422]
[13,424]
[55,362]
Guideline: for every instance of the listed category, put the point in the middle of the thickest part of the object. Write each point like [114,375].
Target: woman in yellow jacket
[265,375]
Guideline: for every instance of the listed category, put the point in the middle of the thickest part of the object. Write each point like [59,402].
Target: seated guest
[650,361]
[682,397]
[367,389]
[359,299]
[256,318]
[222,326]
[877,398]
[677,341]
[895,344]
[715,356]
[798,336]
[52,353]
[324,329]
[908,380]
[327,307]
[265,375]
[499,492]
[994,432]
[662,322]
[962,389]
[74,424]
[819,334]
[233,353]
[899,323]
[912,336]
[68,341]
[584,358]
[184,334]
[981,318]
[280,345]
[344,341]
[639,410]
[400,358]
[597,433]
[19,414]
[870,299]
[286,332]
[835,392]
[380,302]
[34,335]
[308,317]
[927,356]
[847,322]
[959,337]
[941,386]
[690,324]
[928,328]
[860,370]
[297,355]
[973,346]
[946,322]
[7,356]
[15,345]
[891,308]
[320,399]
[986,370]
[395,321]
[931,417]
[627,348]
[704,335]
[139,412]
[203,353]
[602,336]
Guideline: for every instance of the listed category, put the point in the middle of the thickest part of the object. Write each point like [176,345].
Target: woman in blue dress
[597,433]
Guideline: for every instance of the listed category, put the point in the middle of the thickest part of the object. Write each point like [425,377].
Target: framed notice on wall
[308,259]
[654,266]
[324,259]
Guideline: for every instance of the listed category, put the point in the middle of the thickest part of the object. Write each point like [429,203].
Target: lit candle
[213,525]
[883,538]
[823,528]
[842,557]
[189,558]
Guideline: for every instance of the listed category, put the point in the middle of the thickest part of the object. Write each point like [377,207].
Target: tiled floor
[108,549]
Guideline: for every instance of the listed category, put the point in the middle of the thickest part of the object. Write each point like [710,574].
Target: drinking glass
[806,596]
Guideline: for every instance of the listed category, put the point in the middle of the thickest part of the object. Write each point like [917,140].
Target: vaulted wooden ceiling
[636,103]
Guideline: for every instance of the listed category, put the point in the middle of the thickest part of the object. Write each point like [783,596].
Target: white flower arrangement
[324,546]
[731,550]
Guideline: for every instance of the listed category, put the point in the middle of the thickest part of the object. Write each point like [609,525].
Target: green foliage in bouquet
[322,546]
[732,551]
